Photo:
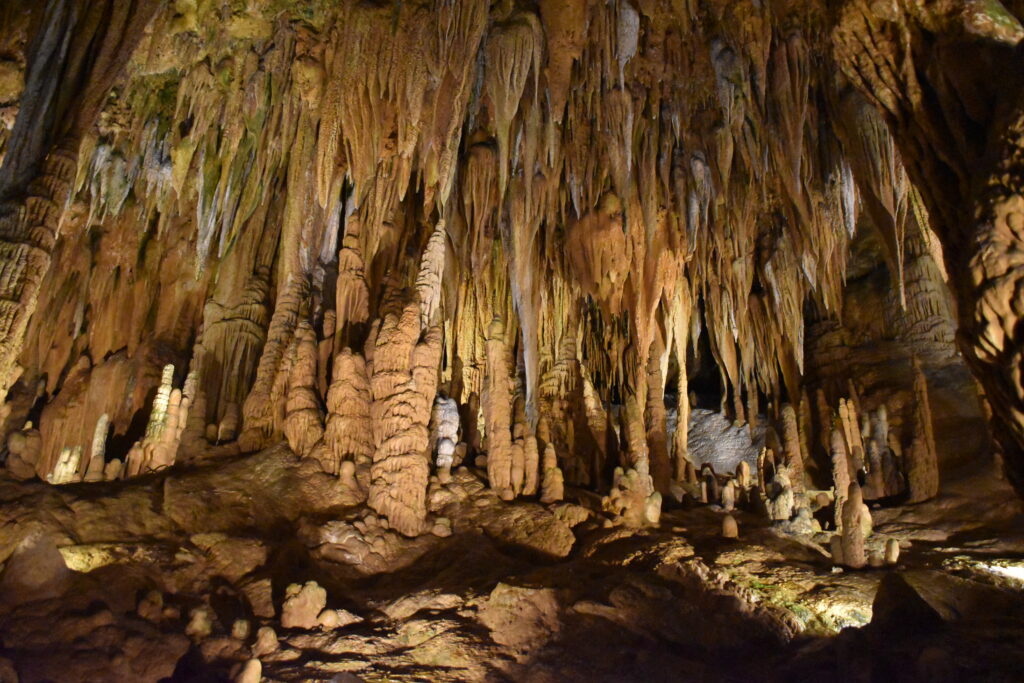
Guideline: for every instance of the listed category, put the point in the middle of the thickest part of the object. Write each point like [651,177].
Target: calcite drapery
[263,411]
[75,59]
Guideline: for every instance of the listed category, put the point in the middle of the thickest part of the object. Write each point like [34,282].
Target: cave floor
[172,575]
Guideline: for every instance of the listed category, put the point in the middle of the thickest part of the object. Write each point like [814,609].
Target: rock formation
[97,452]
[303,605]
[497,405]
[303,419]
[856,527]
[921,462]
[633,500]
[168,418]
[349,434]
[440,302]
[24,447]
[444,433]
[552,487]
[840,474]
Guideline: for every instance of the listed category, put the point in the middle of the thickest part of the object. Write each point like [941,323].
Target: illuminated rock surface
[514,340]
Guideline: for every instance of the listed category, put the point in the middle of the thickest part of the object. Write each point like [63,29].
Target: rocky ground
[258,566]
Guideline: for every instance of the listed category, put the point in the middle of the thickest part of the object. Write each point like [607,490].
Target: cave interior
[511,340]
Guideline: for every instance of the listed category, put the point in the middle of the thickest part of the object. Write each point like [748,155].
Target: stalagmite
[97,460]
[633,501]
[227,430]
[518,469]
[552,487]
[112,471]
[781,496]
[428,282]
[840,473]
[464,291]
[445,459]
[892,551]
[403,354]
[70,75]
[531,466]
[730,529]
[347,477]
[791,444]
[167,420]
[855,528]
[352,297]
[921,461]
[403,379]
[24,448]
[444,434]
[349,435]
[848,418]
[303,422]
[497,409]
[655,421]
[710,490]
[729,496]
[743,474]
[66,469]
[259,412]
[764,462]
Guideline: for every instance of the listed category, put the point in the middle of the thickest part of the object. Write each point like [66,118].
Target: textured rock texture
[525,339]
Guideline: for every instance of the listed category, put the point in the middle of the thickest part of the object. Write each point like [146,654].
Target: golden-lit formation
[466,339]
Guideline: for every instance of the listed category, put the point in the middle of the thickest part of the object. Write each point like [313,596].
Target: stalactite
[74,62]
[565,30]
[513,51]
[603,192]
